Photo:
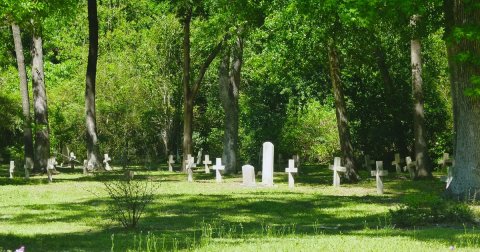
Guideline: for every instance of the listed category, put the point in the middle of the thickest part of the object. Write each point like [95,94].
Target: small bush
[128,200]
[435,212]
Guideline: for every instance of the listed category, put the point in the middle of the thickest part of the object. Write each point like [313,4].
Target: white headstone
[296,158]
[336,167]
[410,166]
[379,173]
[291,169]
[170,162]
[50,168]
[199,157]
[397,162]
[267,164]
[368,163]
[107,159]
[248,174]
[85,166]
[189,164]
[218,167]
[207,162]
[12,169]
[446,161]
[72,158]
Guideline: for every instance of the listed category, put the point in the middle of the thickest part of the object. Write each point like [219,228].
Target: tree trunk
[42,141]
[22,74]
[421,150]
[90,110]
[229,94]
[342,120]
[187,94]
[465,182]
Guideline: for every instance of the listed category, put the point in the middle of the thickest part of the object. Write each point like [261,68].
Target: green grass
[67,216]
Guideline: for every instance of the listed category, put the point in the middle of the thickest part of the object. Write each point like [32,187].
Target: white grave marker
[189,164]
[248,174]
[85,166]
[72,160]
[291,169]
[296,158]
[207,162]
[336,167]
[411,165]
[446,161]
[379,173]
[397,163]
[50,168]
[27,173]
[267,164]
[199,157]
[170,162]
[218,167]
[368,163]
[107,159]
[12,169]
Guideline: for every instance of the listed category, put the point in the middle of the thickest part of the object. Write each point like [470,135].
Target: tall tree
[229,93]
[191,90]
[421,150]
[463,47]
[42,140]
[22,74]
[90,110]
[341,111]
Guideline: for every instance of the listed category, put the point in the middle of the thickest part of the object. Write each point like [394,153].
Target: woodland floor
[69,215]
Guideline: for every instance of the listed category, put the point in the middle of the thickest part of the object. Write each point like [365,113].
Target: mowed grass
[70,215]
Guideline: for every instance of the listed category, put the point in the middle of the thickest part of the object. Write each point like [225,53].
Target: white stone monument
[336,167]
[218,167]
[72,158]
[379,173]
[85,166]
[368,163]
[50,168]
[207,162]
[291,169]
[397,162]
[199,157]
[267,164]
[170,162]
[12,169]
[296,158]
[107,159]
[248,174]
[410,166]
[189,164]
[27,173]
[446,161]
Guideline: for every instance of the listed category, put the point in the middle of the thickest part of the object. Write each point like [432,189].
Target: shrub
[128,200]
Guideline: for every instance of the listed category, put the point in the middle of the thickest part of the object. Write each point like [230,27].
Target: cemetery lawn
[69,215]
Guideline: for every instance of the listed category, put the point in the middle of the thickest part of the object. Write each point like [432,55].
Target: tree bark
[42,140]
[465,182]
[341,113]
[229,94]
[27,120]
[90,110]
[421,149]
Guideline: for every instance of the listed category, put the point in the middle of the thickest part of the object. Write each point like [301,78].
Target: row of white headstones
[378,173]
[248,171]
[52,163]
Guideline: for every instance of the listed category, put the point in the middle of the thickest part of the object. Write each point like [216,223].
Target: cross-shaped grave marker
[207,162]
[291,169]
[12,169]
[170,162]
[218,167]
[107,159]
[336,167]
[397,162]
[189,164]
[446,161]
[411,165]
[379,173]
[368,163]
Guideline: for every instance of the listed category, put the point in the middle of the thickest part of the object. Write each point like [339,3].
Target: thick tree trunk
[187,94]
[90,110]
[466,173]
[342,120]
[22,75]
[229,94]
[42,141]
[421,150]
